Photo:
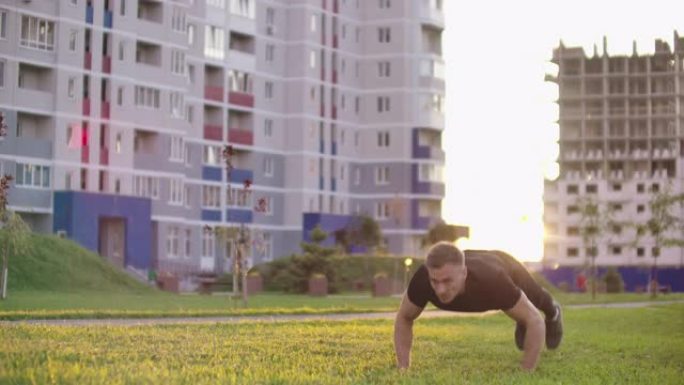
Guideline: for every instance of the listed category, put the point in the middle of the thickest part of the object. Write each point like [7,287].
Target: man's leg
[539,297]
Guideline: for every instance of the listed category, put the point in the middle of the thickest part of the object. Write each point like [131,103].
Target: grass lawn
[601,346]
[52,305]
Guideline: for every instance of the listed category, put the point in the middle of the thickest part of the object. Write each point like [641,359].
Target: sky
[501,133]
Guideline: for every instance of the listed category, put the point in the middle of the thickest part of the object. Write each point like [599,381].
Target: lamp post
[407,267]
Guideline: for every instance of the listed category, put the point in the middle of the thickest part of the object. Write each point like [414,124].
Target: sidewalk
[292,318]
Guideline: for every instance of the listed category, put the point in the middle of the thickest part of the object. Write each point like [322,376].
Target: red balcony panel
[213,132]
[241,99]
[105,109]
[213,93]
[107,64]
[86,107]
[104,156]
[85,154]
[88,60]
[239,136]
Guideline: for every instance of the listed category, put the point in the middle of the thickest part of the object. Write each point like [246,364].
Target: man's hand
[403,332]
[535,330]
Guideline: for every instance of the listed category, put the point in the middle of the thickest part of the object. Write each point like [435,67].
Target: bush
[613,281]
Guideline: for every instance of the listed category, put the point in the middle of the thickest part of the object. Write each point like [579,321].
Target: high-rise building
[621,123]
[119,112]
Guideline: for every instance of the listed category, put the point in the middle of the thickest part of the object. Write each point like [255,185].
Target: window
[71,85]
[73,35]
[178,62]
[640,251]
[177,105]
[357,105]
[211,197]
[244,8]
[616,187]
[381,210]
[572,189]
[617,229]
[572,209]
[270,16]
[383,139]
[617,207]
[186,196]
[146,186]
[147,97]
[208,243]
[117,143]
[270,52]
[313,23]
[640,188]
[383,104]
[573,252]
[384,69]
[178,20]
[655,187]
[382,175]
[591,189]
[37,33]
[429,173]
[641,208]
[188,238]
[3,24]
[267,247]
[268,128]
[268,167]
[176,190]
[384,4]
[312,59]
[122,49]
[437,103]
[2,73]
[30,175]
[213,42]
[119,96]
[268,90]
[172,242]
[384,34]
[217,3]
[177,149]
[191,34]
[212,155]
[122,7]
[573,231]
[239,81]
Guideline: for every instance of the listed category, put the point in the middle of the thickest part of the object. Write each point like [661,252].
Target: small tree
[595,220]
[661,226]
[14,234]
[442,231]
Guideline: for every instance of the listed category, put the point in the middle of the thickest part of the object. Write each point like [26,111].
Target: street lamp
[407,267]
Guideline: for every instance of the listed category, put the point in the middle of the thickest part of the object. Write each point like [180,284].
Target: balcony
[85,154]
[107,64]
[239,176]
[213,93]
[432,11]
[88,60]
[211,173]
[105,109]
[211,215]
[241,99]
[89,14]
[104,156]
[108,18]
[239,136]
[86,107]
[213,132]
[239,216]
[148,53]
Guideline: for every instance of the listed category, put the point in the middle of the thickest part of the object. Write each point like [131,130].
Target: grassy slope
[60,265]
[601,346]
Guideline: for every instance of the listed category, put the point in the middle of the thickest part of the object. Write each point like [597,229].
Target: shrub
[613,281]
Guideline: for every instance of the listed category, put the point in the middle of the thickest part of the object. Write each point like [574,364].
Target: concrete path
[291,318]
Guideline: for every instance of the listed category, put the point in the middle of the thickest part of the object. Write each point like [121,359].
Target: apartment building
[621,124]
[119,112]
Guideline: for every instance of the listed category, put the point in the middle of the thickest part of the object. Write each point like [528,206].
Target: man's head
[447,271]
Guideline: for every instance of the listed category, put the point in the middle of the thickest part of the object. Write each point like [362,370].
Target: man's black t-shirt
[488,286]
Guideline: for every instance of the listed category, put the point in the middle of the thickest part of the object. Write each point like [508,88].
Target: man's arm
[525,313]
[403,331]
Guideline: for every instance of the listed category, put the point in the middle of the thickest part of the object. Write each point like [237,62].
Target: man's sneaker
[554,329]
[519,335]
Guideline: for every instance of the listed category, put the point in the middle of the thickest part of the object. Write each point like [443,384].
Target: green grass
[601,346]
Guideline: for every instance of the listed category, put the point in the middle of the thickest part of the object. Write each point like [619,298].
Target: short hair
[442,253]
